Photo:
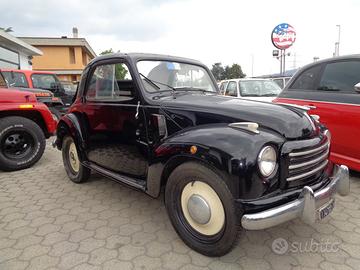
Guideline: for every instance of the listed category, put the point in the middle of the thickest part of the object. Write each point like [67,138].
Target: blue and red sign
[283,36]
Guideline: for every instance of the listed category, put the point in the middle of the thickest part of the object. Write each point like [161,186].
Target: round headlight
[267,161]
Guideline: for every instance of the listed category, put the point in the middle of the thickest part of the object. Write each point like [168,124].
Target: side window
[340,76]
[111,82]
[231,89]
[279,82]
[223,87]
[307,79]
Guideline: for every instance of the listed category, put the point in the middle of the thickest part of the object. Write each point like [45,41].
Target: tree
[218,71]
[227,72]
[8,29]
[120,70]
[234,72]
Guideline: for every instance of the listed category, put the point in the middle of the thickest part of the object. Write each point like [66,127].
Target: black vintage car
[153,121]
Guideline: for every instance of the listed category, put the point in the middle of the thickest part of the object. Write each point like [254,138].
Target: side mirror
[357,87]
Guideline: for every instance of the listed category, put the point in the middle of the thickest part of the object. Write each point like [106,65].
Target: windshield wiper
[149,81]
[193,89]
[268,95]
[154,83]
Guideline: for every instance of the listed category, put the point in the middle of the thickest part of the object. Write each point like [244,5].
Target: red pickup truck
[331,89]
[25,123]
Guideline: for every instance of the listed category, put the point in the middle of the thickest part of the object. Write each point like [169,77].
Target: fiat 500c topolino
[153,121]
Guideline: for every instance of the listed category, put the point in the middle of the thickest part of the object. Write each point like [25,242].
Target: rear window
[15,79]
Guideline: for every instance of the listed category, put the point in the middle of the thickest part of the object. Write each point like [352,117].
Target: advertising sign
[283,36]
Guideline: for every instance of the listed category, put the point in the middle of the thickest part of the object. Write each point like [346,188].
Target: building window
[72,55]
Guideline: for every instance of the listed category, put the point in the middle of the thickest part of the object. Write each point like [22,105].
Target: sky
[226,31]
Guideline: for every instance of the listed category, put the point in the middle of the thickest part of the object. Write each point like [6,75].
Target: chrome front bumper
[305,207]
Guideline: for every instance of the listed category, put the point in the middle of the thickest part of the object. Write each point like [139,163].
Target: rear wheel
[74,169]
[22,143]
[202,210]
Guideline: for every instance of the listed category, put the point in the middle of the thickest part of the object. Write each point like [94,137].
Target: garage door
[9,59]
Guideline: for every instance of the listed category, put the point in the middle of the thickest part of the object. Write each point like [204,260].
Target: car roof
[337,58]
[147,56]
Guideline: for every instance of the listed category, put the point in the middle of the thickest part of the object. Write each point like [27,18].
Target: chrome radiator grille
[306,163]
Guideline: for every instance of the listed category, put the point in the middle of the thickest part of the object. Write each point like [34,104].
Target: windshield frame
[180,61]
[257,80]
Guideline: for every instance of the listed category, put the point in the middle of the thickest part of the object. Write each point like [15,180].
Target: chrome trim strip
[311,151]
[305,207]
[249,126]
[299,176]
[320,158]
[301,107]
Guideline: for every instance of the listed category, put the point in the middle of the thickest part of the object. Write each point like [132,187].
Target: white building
[15,53]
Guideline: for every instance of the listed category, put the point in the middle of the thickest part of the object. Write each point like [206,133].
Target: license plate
[327,209]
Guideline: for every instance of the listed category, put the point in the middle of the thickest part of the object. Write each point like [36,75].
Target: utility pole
[337,44]
[252,65]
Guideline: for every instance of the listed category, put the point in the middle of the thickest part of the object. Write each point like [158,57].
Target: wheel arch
[34,116]
[70,125]
[230,152]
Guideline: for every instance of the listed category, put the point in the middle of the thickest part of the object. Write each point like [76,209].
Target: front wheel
[22,143]
[202,209]
[73,167]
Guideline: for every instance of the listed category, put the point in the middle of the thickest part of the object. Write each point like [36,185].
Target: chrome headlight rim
[260,160]
[327,133]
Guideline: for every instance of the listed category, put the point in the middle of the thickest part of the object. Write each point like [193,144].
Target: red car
[25,123]
[331,88]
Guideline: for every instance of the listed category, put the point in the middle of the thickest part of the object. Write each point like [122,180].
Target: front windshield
[44,81]
[15,79]
[167,76]
[259,88]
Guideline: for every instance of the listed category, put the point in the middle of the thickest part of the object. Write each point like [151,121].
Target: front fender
[232,152]
[70,124]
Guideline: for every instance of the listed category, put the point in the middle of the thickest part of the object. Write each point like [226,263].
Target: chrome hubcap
[73,157]
[199,210]
[202,208]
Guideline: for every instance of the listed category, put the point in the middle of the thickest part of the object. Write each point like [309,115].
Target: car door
[329,90]
[115,121]
[231,89]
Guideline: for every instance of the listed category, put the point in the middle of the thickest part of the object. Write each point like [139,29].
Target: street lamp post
[337,44]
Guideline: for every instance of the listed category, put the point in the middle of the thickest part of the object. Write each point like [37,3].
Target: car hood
[33,90]
[292,123]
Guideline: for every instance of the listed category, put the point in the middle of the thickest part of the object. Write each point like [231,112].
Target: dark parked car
[152,121]
[331,89]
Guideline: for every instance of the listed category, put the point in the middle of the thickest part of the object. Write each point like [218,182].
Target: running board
[132,182]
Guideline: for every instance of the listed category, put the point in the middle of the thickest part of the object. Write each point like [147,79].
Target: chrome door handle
[137,111]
